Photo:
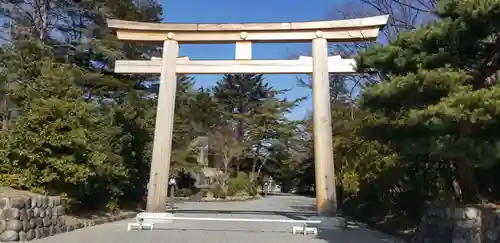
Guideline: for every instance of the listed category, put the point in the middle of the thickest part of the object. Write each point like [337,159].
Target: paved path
[225,232]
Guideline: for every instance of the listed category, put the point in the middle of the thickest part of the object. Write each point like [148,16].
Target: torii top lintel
[336,30]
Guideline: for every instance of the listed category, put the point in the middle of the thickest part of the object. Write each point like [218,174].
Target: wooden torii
[319,65]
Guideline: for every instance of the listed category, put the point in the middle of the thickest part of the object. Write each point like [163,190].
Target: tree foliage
[76,128]
[436,101]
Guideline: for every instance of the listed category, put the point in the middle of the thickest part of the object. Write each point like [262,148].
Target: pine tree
[239,94]
[438,99]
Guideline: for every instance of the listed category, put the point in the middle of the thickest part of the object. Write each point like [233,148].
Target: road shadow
[304,208]
[295,215]
[276,194]
[355,235]
[354,232]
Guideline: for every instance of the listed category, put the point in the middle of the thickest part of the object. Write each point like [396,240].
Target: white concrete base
[149,220]
[330,222]
[140,226]
[304,230]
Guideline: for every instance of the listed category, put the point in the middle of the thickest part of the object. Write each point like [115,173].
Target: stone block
[69,228]
[30,234]
[52,231]
[22,214]
[4,203]
[38,233]
[32,223]
[59,210]
[45,231]
[42,213]
[466,213]
[3,226]
[26,225]
[460,224]
[39,222]
[27,203]
[45,202]
[37,211]
[59,229]
[54,201]
[17,202]
[54,220]
[23,236]
[14,224]
[9,236]
[48,212]
[29,213]
[61,221]
[34,202]
[46,222]
[11,213]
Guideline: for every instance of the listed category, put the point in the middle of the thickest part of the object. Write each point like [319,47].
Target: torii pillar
[326,197]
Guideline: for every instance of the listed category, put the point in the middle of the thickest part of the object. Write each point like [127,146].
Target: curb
[99,221]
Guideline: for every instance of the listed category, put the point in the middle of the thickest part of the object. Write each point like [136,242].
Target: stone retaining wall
[474,224]
[26,218]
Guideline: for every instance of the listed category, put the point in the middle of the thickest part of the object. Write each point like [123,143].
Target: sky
[237,11]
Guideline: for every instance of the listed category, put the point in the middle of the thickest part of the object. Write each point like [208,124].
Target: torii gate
[320,65]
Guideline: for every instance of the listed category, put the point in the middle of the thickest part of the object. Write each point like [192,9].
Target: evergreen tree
[60,143]
[437,103]
[240,94]
[68,42]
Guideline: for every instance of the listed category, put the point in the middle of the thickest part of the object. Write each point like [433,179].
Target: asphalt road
[272,207]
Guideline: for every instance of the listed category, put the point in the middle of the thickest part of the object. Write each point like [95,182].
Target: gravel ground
[278,207]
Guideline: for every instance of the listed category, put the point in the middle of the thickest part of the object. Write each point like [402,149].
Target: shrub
[240,185]
[218,191]
[183,192]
